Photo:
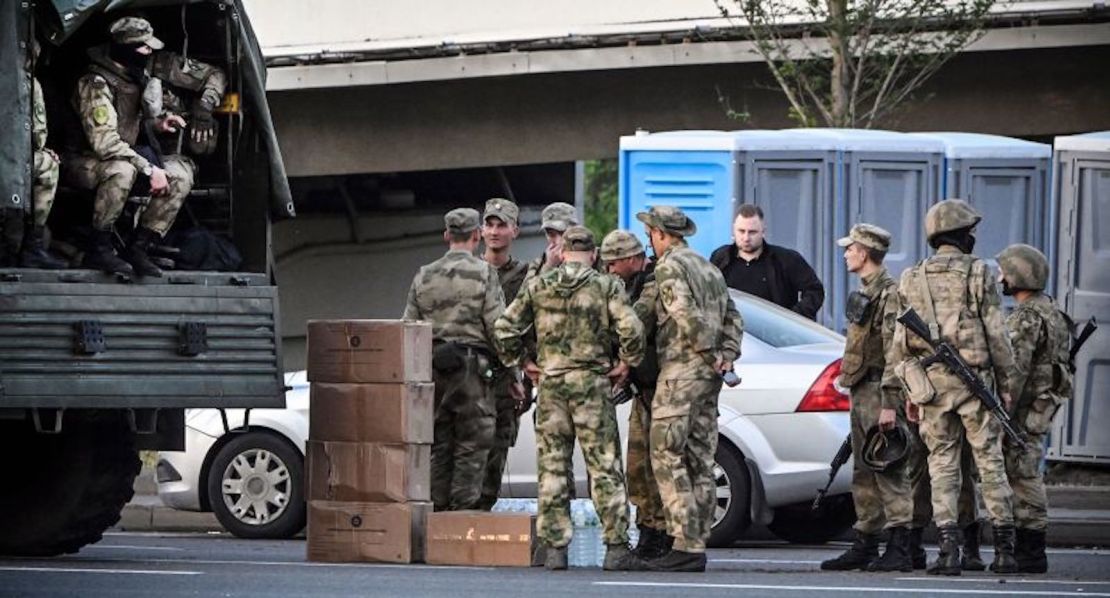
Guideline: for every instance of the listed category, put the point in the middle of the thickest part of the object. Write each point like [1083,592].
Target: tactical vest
[1049,375]
[126,99]
[645,374]
[956,307]
[863,350]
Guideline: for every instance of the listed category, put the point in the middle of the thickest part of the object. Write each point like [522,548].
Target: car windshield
[779,327]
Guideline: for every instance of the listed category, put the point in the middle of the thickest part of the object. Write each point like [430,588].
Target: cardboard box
[343,532]
[480,538]
[368,471]
[372,412]
[369,351]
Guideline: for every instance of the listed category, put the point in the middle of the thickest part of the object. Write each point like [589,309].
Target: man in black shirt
[774,273]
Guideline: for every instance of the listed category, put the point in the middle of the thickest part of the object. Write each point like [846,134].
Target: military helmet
[884,451]
[1024,267]
[950,215]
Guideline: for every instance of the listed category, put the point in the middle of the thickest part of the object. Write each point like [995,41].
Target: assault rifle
[1088,329]
[948,355]
[838,461]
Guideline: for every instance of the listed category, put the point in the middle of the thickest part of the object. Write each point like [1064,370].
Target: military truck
[96,367]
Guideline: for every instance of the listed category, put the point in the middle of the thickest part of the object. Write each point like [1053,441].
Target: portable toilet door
[792,177]
[1006,180]
[1081,431]
[884,178]
[693,170]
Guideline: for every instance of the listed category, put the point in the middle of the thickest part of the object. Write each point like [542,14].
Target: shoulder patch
[100,115]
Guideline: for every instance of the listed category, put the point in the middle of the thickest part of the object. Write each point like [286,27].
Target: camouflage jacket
[867,342]
[209,82]
[696,320]
[968,315]
[460,296]
[511,274]
[578,314]
[642,293]
[109,105]
[1042,379]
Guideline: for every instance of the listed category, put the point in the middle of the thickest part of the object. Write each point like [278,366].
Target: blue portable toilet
[1006,180]
[1081,191]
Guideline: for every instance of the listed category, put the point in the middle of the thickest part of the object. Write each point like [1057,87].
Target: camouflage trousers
[643,491]
[917,467]
[576,405]
[504,437]
[45,184]
[882,500]
[464,425]
[683,445]
[1023,466]
[944,425]
[113,180]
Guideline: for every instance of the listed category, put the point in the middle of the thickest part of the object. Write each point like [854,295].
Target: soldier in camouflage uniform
[1042,382]
[882,500]
[498,232]
[578,314]
[44,181]
[109,102]
[698,339]
[460,295]
[555,219]
[967,506]
[182,85]
[956,296]
[624,257]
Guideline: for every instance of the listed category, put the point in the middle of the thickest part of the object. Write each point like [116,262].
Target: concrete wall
[571,116]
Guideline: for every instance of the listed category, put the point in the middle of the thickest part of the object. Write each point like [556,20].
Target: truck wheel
[61,491]
[256,486]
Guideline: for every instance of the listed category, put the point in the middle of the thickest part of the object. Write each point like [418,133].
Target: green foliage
[601,196]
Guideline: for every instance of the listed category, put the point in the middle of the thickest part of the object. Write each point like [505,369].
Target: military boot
[948,561]
[136,253]
[619,558]
[653,543]
[864,549]
[35,255]
[556,559]
[11,230]
[1029,551]
[539,555]
[1004,561]
[101,256]
[897,554]
[970,560]
[917,551]
[678,561]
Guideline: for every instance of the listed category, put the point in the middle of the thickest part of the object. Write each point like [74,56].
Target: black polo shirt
[750,277]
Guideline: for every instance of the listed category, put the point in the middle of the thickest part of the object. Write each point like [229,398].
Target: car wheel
[798,524]
[733,492]
[256,486]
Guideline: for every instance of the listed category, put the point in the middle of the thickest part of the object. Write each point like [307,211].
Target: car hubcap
[724,493]
[256,487]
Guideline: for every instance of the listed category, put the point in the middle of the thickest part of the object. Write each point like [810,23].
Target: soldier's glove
[203,124]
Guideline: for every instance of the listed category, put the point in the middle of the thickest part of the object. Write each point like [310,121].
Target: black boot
[11,236]
[556,559]
[897,554]
[35,255]
[653,543]
[136,253]
[539,556]
[1004,561]
[864,549]
[678,561]
[948,561]
[917,551]
[101,256]
[970,560]
[619,558]
[1029,551]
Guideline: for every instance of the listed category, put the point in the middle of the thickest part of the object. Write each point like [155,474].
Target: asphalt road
[169,565]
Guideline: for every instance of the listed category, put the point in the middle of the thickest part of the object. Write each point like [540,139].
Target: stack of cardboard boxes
[370,433]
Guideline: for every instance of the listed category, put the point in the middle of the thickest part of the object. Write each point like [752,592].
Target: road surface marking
[1066,582]
[130,547]
[862,589]
[90,570]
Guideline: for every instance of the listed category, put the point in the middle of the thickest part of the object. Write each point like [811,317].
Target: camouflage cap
[950,215]
[669,219]
[559,216]
[462,220]
[134,30]
[502,209]
[1024,267]
[620,244]
[578,238]
[867,235]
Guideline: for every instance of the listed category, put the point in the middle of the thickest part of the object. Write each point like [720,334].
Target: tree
[851,63]
[601,196]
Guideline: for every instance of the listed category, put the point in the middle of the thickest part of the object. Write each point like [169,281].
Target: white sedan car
[778,431]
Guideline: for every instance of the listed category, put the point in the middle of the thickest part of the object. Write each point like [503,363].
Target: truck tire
[61,491]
